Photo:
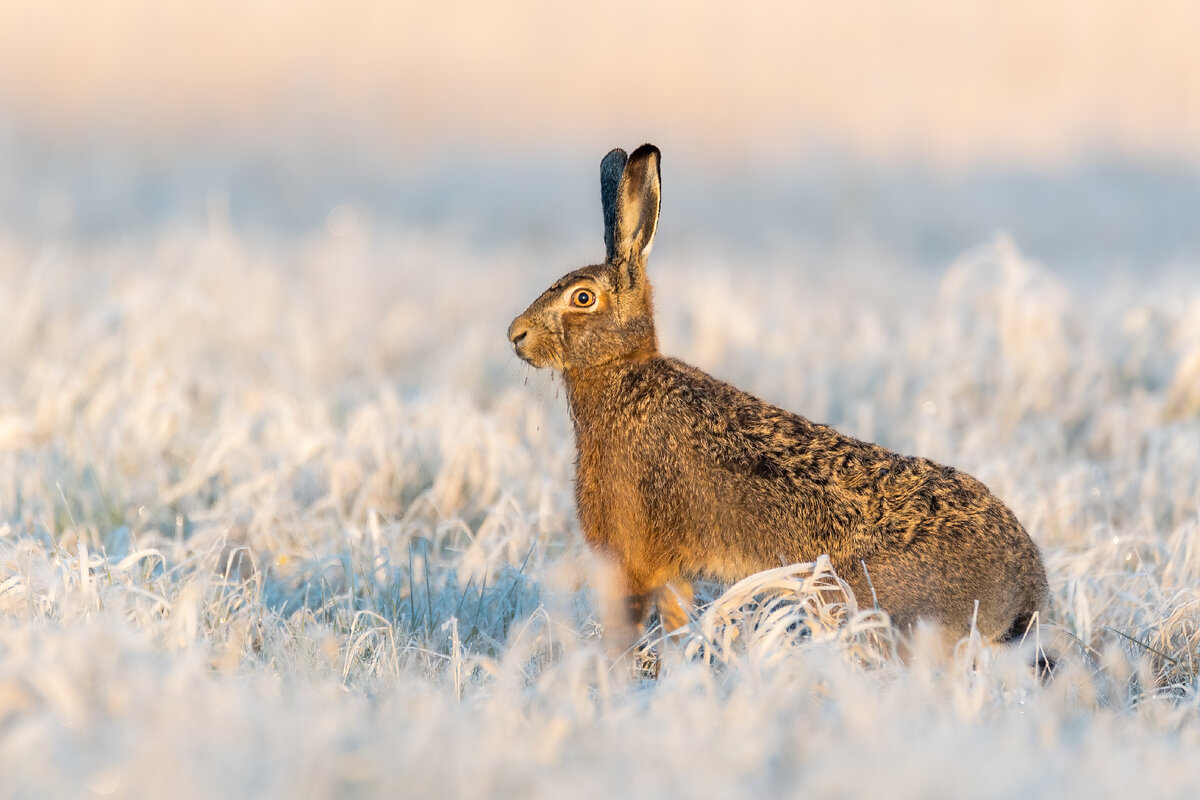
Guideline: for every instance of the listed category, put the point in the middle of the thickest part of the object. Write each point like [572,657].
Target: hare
[680,476]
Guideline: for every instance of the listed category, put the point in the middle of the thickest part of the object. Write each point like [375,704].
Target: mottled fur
[680,475]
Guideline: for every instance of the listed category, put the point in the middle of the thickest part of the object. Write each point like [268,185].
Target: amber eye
[582,298]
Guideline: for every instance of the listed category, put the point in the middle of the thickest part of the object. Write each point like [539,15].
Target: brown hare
[679,475]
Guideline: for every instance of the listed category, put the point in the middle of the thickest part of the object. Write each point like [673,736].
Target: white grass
[287,519]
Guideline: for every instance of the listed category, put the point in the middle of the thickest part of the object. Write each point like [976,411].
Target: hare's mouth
[520,350]
[536,353]
[534,345]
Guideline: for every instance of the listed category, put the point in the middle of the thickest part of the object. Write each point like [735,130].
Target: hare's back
[768,485]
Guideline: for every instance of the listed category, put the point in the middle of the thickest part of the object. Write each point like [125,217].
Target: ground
[286,518]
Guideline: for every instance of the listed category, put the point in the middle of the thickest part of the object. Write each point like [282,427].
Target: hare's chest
[610,481]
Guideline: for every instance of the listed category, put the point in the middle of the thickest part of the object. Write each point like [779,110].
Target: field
[284,517]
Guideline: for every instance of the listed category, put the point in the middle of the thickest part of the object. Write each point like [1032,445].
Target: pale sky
[944,81]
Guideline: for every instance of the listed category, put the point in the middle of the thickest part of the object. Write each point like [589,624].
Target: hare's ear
[637,208]
[611,169]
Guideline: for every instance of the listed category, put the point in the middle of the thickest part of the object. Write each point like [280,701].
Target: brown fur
[680,475]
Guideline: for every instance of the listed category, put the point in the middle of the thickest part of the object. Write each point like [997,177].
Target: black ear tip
[615,158]
[646,151]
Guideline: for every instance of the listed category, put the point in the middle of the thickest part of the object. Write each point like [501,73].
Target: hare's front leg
[621,610]
[626,600]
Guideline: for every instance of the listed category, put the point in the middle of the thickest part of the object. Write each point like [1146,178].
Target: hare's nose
[517,332]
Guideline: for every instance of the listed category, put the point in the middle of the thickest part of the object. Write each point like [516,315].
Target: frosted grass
[288,519]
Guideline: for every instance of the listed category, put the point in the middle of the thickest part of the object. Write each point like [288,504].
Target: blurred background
[264,444]
[913,129]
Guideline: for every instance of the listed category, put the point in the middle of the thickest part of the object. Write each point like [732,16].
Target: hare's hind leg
[675,604]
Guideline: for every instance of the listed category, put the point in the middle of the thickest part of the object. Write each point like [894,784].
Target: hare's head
[602,313]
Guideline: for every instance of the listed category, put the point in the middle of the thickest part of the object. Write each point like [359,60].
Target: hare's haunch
[680,475]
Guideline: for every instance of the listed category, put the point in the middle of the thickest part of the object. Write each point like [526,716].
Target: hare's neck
[594,391]
[646,349]
[587,387]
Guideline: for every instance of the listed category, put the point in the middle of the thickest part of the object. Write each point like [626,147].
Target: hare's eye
[582,298]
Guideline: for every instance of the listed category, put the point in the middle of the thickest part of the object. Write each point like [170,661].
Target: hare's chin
[536,360]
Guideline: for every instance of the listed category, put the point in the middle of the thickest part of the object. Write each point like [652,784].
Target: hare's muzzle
[517,333]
